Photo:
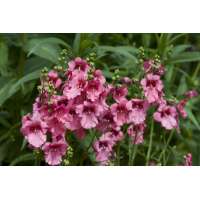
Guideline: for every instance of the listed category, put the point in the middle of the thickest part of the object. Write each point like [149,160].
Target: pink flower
[53,77]
[58,138]
[88,112]
[54,151]
[148,65]
[188,159]
[79,65]
[94,89]
[152,86]
[56,126]
[103,149]
[160,70]
[101,101]
[58,100]
[181,108]
[181,105]
[167,116]
[192,93]
[138,113]
[98,75]
[41,108]
[136,132]
[59,112]
[74,87]
[115,135]
[126,81]
[119,93]
[121,112]
[106,122]
[72,120]
[34,130]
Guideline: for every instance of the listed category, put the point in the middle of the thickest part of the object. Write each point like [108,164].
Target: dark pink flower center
[81,83]
[165,112]
[138,105]
[108,118]
[80,66]
[93,85]
[151,83]
[121,109]
[72,111]
[115,133]
[60,111]
[55,148]
[35,128]
[89,109]
[103,144]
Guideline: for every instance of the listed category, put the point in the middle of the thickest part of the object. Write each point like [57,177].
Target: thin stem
[165,148]
[196,72]
[92,140]
[150,143]
[118,154]
[132,152]
[129,151]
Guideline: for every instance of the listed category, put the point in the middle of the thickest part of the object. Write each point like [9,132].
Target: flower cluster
[152,85]
[79,99]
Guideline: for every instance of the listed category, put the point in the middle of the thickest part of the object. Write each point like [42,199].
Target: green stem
[86,151]
[196,72]
[129,150]
[150,144]
[132,152]
[162,155]
[118,154]
[92,140]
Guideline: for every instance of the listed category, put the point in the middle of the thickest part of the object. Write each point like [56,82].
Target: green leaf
[5,91]
[36,63]
[182,86]
[22,158]
[48,48]
[29,77]
[126,51]
[179,48]
[76,44]
[3,58]
[193,119]
[176,37]
[13,86]
[185,57]
[3,150]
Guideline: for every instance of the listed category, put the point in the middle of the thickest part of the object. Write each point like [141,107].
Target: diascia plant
[79,101]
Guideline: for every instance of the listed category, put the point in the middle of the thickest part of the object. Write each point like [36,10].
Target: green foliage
[22,56]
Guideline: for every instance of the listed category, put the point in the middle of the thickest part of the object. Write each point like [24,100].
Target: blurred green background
[22,56]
